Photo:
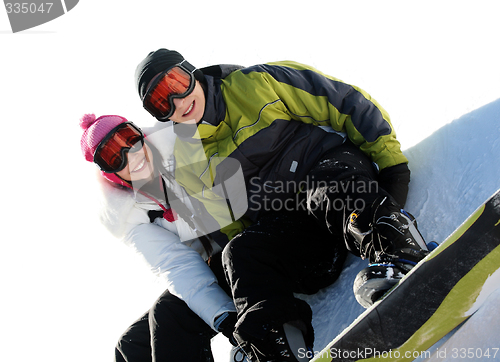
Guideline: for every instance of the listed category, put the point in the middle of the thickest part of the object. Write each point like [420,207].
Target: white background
[68,288]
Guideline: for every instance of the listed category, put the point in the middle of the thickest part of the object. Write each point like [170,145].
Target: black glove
[225,324]
[395,180]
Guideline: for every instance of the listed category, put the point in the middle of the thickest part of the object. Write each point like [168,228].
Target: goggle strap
[189,67]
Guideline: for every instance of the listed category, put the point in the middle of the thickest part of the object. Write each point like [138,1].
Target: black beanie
[155,63]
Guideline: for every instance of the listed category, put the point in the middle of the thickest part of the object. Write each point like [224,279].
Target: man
[307,144]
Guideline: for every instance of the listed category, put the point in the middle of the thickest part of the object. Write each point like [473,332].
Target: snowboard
[434,298]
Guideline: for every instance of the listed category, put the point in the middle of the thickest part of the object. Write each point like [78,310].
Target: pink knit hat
[94,131]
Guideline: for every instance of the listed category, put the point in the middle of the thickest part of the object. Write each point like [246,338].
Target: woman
[135,179]
[301,138]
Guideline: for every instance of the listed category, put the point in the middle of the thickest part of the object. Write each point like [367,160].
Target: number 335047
[25,8]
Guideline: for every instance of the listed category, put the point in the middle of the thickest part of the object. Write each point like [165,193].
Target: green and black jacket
[269,117]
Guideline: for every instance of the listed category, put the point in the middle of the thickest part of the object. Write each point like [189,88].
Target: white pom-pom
[87,120]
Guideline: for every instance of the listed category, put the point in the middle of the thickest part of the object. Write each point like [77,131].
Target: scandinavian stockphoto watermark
[26,15]
[289,196]
[210,192]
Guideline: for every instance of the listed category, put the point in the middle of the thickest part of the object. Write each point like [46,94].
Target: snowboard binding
[388,237]
[374,281]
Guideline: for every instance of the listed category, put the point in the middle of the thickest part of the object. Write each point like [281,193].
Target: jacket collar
[215,108]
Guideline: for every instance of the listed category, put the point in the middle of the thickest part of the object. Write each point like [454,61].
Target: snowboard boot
[283,344]
[388,237]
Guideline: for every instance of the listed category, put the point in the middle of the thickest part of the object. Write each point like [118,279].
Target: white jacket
[181,263]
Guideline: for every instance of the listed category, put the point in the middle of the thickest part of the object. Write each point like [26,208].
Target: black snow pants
[170,331]
[283,253]
[300,250]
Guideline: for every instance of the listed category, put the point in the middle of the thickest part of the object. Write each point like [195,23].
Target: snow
[454,171]
[490,287]
[477,337]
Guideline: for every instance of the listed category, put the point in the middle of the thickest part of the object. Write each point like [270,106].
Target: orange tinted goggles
[111,154]
[176,82]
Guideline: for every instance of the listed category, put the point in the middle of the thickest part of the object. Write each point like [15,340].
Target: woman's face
[139,165]
[190,108]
